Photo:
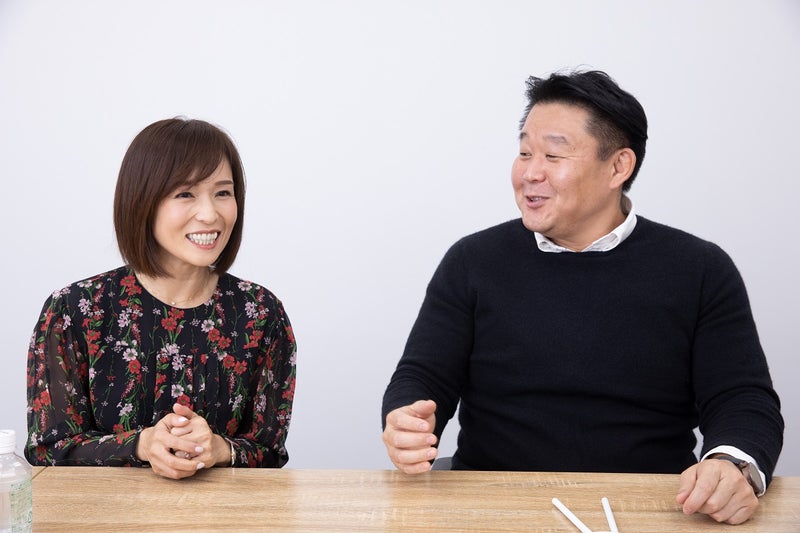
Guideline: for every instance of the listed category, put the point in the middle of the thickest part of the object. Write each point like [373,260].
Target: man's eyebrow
[552,137]
[557,139]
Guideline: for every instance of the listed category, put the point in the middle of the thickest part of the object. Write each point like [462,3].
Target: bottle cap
[8,440]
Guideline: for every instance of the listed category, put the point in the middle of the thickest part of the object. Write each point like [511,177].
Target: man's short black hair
[617,120]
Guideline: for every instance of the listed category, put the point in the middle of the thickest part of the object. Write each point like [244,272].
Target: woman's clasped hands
[181,443]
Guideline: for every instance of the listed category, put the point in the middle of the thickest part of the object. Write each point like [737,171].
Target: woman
[169,360]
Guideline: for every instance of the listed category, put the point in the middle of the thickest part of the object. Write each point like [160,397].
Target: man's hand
[409,437]
[717,488]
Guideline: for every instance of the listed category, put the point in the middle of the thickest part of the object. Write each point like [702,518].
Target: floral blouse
[107,359]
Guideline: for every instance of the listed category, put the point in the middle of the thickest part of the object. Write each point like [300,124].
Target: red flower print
[46,323]
[41,454]
[213,335]
[224,342]
[134,366]
[129,282]
[184,400]
[240,367]
[125,435]
[254,338]
[91,336]
[75,415]
[231,426]
[228,361]
[169,323]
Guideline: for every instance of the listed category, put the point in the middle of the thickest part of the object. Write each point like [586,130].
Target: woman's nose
[206,210]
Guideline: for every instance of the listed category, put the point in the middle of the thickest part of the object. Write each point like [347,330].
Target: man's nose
[534,169]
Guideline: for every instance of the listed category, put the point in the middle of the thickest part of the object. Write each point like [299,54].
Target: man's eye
[552,157]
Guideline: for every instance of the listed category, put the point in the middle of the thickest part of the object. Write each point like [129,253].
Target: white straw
[612,524]
[572,518]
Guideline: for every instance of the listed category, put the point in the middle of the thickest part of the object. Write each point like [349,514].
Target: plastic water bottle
[16,496]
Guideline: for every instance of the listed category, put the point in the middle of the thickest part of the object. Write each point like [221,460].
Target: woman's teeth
[203,239]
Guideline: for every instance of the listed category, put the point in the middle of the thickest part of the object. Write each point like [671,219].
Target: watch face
[755,478]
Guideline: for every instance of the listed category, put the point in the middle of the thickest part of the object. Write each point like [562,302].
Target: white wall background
[374,134]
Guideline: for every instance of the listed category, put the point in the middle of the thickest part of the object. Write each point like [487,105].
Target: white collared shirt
[603,244]
[609,242]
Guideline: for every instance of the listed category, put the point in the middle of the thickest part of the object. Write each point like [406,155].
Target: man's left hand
[717,488]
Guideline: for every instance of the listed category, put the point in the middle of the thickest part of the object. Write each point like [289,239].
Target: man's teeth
[203,238]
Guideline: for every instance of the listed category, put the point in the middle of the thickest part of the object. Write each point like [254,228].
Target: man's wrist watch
[748,470]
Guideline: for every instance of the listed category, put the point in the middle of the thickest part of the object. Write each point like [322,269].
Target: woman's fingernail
[198,449]
[201,466]
[182,419]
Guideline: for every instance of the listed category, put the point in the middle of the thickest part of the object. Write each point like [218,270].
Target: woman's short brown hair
[166,155]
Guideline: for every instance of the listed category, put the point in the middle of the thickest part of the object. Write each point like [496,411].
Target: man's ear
[623,162]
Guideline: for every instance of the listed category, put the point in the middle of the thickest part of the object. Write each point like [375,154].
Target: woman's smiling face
[193,223]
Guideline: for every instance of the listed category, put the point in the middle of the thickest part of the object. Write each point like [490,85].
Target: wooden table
[135,499]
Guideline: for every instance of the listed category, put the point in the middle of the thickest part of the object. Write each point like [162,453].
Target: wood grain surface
[230,499]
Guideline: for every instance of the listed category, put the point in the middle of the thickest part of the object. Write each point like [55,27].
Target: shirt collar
[604,243]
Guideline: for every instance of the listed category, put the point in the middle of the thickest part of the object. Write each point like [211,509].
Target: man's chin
[534,225]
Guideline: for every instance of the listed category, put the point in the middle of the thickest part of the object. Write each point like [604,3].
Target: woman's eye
[183,194]
[225,192]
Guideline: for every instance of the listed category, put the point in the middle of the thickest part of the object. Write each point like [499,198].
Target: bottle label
[21,506]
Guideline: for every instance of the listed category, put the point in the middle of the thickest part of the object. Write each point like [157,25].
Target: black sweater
[598,361]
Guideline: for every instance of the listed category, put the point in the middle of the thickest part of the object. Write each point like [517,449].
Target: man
[584,337]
